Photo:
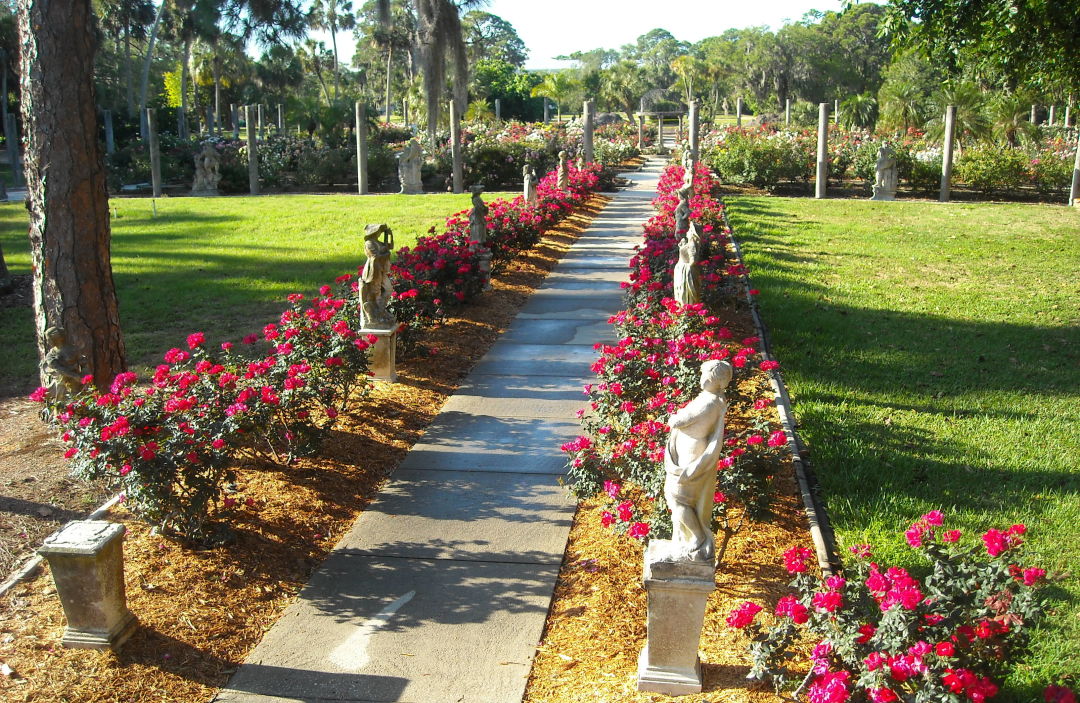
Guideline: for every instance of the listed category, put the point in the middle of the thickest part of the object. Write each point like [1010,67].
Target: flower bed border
[820,528]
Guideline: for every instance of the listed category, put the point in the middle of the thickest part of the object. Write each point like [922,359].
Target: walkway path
[440,590]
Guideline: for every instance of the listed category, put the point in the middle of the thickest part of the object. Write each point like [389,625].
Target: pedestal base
[670,681]
[678,591]
[383,354]
[100,639]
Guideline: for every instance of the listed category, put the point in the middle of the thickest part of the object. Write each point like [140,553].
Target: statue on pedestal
[688,168]
[528,175]
[693,450]
[477,218]
[375,284]
[687,276]
[682,212]
[409,162]
[563,174]
[207,173]
[886,174]
[62,368]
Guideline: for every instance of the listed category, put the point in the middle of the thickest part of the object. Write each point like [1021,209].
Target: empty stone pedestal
[383,354]
[87,563]
[678,591]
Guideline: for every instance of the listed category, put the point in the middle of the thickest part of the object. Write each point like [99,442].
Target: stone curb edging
[820,529]
[29,570]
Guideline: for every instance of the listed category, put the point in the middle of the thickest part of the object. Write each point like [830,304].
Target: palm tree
[1010,117]
[559,87]
[901,104]
[690,71]
[971,122]
[622,84]
[859,111]
[315,59]
[333,16]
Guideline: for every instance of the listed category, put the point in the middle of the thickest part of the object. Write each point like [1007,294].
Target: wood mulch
[202,611]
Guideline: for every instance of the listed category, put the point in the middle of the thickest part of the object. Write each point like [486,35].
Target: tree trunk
[217,93]
[181,117]
[389,54]
[337,73]
[68,204]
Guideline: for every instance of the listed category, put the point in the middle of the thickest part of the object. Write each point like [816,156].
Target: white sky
[553,28]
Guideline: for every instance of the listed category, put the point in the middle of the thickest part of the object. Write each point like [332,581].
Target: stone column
[280,117]
[695,136]
[1050,119]
[787,112]
[262,125]
[836,111]
[1068,115]
[679,136]
[946,154]
[455,149]
[1074,191]
[110,140]
[587,137]
[155,151]
[678,591]
[234,115]
[822,151]
[547,111]
[738,112]
[659,134]
[1033,115]
[253,150]
[87,563]
[361,148]
[498,110]
[144,128]
[11,135]
[641,132]
[405,112]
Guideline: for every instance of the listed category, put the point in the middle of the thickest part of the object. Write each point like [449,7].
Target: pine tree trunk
[65,173]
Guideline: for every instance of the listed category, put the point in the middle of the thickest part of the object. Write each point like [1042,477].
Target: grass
[218,265]
[933,354]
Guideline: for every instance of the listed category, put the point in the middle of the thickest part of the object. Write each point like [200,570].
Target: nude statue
[477,221]
[563,174]
[687,278]
[62,367]
[693,450]
[528,176]
[885,176]
[375,284]
[682,211]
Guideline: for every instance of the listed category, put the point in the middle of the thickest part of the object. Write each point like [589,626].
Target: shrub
[886,635]
[762,159]
[992,168]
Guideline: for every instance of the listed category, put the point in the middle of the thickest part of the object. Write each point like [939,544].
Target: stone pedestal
[678,591]
[87,563]
[483,262]
[382,354]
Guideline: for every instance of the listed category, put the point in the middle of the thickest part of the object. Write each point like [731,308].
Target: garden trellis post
[155,151]
[361,148]
[822,151]
[947,152]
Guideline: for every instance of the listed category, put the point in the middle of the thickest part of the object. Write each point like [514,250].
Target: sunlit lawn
[218,265]
[933,354]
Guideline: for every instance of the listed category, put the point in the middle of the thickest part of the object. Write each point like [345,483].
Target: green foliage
[745,158]
[993,169]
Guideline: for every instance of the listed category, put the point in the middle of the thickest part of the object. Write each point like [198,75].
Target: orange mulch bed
[596,626]
[202,611]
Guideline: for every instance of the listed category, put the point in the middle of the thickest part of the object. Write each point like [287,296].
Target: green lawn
[933,354]
[218,265]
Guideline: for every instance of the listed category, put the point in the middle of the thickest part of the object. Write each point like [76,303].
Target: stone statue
[409,161]
[207,174]
[687,274]
[375,285]
[563,174]
[528,175]
[693,450]
[62,368]
[688,168]
[477,221]
[580,162]
[886,176]
[682,212]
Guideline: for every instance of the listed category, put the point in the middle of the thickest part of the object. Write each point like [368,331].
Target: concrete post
[11,134]
[738,112]
[1068,115]
[1074,191]
[659,134]
[498,110]
[681,133]
[110,140]
[455,149]
[262,125]
[280,117]
[405,112]
[1050,120]
[234,115]
[253,150]
[155,151]
[547,111]
[144,128]
[87,563]
[946,154]
[787,112]
[822,151]
[695,136]
[641,132]
[1033,115]
[587,137]
[678,592]
[361,148]
[836,111]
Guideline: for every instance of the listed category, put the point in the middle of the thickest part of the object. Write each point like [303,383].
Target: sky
[553,28]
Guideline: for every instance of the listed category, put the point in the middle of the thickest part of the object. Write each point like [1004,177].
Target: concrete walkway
[440,590]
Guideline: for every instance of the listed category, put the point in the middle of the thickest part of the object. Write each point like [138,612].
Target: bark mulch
[201,611]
